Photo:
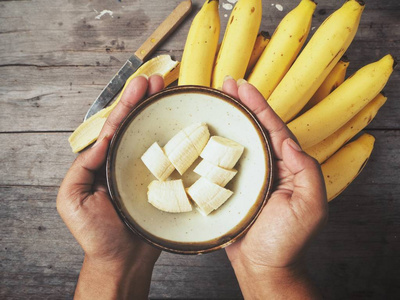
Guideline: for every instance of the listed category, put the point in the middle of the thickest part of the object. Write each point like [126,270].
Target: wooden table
[55,58]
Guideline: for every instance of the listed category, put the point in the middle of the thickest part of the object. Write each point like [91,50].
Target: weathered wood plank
[353,257]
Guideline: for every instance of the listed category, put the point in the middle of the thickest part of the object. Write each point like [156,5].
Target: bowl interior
[159,118]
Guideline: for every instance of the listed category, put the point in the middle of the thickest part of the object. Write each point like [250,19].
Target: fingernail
[240,81]
[158,74]
[227,77]
[99,141]
[294,145]
[143,75]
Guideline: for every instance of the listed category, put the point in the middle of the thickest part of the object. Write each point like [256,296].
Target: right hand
[297,208]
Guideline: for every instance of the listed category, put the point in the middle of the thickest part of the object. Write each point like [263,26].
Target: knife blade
[136,60]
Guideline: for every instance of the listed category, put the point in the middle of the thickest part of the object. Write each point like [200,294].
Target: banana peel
[88,132]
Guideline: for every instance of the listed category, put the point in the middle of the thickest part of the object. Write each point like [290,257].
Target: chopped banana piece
[218,175]
[198,134]
[222,152]
[157,162]
[168,196]
[207,195]
[181,152]
[185,147]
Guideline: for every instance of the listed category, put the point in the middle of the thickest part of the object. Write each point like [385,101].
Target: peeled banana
[237,44]
[168,196]
[222,152]
[283,48]
[157,162]
[88,131]
[334,79]
[208,196]
[342,104]
[316,61]
[344,166]
[201,46]
[213,173]
[323,150]
[185,147]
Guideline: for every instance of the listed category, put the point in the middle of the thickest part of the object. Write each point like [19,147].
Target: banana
[185,147]
[237,44]
[342,104]
[334,79]
[262,41]
[323,150]
[89,130]
[198,134]
[157,162]
[316,61]
[283,48]
[201,46]
[214,173]
[344,166]
[222,152]
[168,196]
[208,196]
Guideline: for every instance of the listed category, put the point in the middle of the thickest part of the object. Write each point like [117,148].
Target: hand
[272,249]
[113,255]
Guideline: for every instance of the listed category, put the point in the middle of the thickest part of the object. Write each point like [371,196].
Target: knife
[136,60]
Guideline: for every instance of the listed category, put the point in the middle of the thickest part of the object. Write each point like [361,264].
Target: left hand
[83,201]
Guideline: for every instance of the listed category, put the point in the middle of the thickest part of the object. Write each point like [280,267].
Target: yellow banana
[316,61]
[262,41]
[325,149]
[201,46]
[283,48]
[238,42]
[89,130]
[344,166]
[342,104]
[334,79]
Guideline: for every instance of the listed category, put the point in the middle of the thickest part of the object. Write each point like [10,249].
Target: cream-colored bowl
[160,117]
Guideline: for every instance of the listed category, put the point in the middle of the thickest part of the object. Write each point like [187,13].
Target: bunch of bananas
[306,88]
[303,82]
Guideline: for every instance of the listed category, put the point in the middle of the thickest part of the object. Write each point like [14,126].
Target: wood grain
[56,57]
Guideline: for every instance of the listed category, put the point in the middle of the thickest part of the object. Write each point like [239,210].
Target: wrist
[266,282]
[122,279]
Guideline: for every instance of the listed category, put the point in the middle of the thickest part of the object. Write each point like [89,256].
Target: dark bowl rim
[265,191]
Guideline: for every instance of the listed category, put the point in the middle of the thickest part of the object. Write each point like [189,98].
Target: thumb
[79,180]
[308,183]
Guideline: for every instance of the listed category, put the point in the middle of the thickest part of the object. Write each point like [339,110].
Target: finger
[78,182]
[277,129]
[309,192]
[230,87]
[156,84]
[133,93]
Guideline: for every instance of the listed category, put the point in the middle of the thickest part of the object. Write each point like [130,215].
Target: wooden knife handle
[164,30]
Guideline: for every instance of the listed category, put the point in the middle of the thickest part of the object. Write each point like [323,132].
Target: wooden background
[55,58]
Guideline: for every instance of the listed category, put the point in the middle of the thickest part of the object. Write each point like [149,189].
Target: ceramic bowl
[160,117]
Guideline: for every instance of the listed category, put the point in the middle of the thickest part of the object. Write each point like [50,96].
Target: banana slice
[214,173]
[185,147]
[222,152]
[169,196]
[198,134]
[207,195]
[157,162]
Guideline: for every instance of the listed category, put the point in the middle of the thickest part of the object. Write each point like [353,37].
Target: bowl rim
[251,215]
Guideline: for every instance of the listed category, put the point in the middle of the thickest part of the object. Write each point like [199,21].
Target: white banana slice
[207,195]
[218,175]
[198,134]
[157,162]
[168,196]
[222,152]
[185,147]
